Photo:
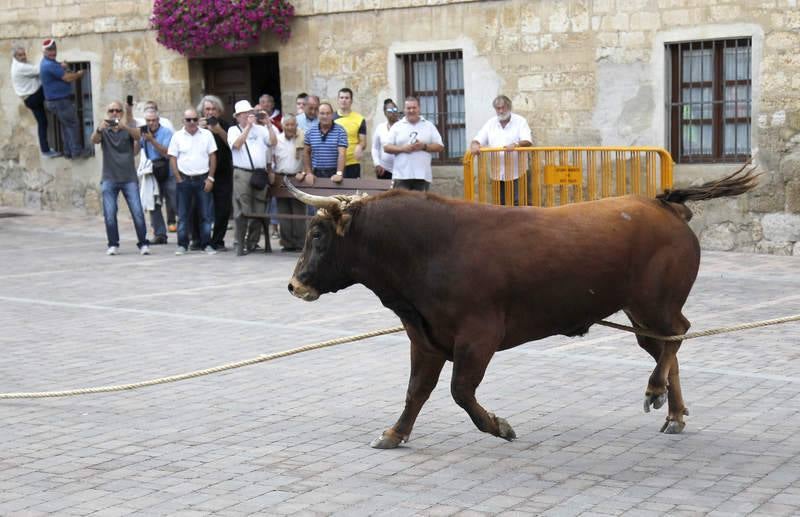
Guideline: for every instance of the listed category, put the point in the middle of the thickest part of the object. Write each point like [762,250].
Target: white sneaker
[181,250]
[112,250]
[144,250]
[210,251]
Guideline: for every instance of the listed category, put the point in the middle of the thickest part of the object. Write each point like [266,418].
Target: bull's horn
[309,199]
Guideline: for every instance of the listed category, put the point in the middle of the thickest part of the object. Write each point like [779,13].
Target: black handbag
[161,170]
[258,179]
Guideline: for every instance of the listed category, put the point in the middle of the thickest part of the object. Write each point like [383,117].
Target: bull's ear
[343,223]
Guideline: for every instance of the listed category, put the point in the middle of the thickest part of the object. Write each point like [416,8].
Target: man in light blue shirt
[308,118]
[57,85]
[155,142]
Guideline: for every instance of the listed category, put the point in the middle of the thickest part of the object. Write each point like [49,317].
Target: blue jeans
[130,190]
[64,111]
[191,188]
[167,189]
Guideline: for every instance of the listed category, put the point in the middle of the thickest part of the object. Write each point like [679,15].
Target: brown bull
[468,280]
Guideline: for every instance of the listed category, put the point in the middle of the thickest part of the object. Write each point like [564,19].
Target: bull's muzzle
[302,291]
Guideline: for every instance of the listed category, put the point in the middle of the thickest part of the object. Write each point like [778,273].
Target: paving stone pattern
[290,437]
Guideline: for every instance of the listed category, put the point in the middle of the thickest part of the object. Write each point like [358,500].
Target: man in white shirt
[193,160]
[412,140]
[507,130]
[288,157]
[251,146]
[25,78]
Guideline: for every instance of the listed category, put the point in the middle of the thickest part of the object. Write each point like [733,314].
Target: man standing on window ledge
[413,139]
[27,85]
[56,82]
[193,159]
[356,127]
[120,144]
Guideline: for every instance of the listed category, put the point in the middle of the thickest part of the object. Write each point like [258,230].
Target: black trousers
[35,103]
[352,170]
[223,206]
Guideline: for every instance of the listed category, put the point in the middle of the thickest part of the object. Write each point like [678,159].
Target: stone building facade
[583,72]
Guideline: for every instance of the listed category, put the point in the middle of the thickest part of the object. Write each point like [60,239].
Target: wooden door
[228,79]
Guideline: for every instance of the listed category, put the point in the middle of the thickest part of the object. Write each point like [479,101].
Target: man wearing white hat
[57,85]
[251,145]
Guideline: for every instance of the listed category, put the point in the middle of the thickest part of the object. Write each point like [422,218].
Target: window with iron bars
[710,100]
[437,80]
[82,98]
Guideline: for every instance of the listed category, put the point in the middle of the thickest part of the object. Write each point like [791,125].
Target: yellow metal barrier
[554,176]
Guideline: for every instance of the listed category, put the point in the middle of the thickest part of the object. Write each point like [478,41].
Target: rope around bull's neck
[349,339]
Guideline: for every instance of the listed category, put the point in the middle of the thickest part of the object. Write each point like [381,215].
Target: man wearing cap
[251,145]
[193,159]
[56,83]
[25,78]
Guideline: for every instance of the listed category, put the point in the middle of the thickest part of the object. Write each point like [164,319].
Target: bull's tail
[734,184]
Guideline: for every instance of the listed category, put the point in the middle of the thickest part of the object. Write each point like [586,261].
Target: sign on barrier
[552,176]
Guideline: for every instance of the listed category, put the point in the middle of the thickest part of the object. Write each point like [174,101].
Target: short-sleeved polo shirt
[192,151]
[51,74]
[325,146]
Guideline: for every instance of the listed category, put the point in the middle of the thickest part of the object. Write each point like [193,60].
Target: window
[437,79]
[710,104]
[82,97]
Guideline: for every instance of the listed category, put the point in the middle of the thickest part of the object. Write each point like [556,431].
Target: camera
[261,115]
[112,123]
[143,129]
[212,121]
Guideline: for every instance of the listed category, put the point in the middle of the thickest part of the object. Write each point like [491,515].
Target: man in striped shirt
[325,146]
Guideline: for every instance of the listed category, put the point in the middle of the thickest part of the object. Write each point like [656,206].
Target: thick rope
[709,332]
[199,373]
[338,341]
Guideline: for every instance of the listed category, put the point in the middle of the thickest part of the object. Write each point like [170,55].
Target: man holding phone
[120,143]
[155,142]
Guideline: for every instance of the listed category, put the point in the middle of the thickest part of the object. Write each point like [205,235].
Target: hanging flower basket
[191,27]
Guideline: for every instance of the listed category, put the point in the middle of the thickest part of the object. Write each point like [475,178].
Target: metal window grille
[710,100]
[82,97]
[437,80]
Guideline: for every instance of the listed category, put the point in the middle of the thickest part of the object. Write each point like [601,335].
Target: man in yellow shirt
[355,126]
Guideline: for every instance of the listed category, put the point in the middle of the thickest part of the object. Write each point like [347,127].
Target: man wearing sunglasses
[193,159]
[119,141]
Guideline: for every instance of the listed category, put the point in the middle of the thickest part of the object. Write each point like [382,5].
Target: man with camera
[212,110]
[120,144]
[155,142]
[251,145]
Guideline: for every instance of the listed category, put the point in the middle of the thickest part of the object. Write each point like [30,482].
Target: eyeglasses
[391,110]
[195,119]
[114,110]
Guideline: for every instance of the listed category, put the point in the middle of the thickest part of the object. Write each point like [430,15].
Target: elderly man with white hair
[507,130]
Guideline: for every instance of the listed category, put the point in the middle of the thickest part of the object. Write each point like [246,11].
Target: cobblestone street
[291,436]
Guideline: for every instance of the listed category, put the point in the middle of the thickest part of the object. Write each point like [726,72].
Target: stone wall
[582,73]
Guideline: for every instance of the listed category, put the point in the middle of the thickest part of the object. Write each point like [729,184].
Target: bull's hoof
[651,399]
[673,427]
[504,430]
[389,439]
